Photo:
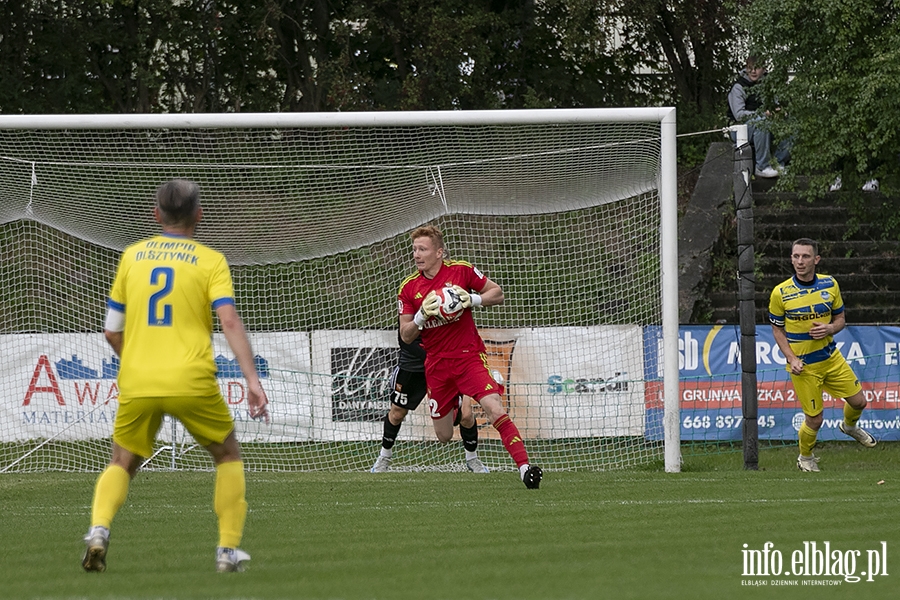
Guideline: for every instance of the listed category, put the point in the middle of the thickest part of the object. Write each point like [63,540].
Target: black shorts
[408,388]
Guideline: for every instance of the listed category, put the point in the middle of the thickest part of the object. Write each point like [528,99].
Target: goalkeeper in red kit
[456,360]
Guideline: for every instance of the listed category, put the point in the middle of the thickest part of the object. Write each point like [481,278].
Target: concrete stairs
[866,267]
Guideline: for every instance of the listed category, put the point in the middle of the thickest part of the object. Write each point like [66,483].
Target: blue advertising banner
[710,383]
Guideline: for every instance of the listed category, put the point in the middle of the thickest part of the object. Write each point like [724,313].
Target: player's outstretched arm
[234,331]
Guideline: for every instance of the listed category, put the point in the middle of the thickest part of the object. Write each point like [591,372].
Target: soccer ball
[451,305]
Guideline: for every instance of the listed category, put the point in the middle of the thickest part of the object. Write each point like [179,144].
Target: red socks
[512,440]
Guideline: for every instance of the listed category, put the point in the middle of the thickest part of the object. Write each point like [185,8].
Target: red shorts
[449,377]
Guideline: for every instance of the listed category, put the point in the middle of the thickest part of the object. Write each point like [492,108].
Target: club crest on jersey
[824,294]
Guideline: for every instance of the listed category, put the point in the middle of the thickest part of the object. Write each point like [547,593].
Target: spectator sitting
[745,106]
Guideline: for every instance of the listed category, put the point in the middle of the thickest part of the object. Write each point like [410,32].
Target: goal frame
[667,184]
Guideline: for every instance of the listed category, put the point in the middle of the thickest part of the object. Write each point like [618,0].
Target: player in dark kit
[408,389]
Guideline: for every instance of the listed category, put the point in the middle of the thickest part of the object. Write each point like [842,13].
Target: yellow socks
[807,437]
[109,495]
[111,490]
[851,415]
[229,502]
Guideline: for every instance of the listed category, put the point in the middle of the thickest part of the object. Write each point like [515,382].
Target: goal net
[572,212]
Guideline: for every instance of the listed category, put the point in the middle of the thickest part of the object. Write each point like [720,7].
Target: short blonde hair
[429,231]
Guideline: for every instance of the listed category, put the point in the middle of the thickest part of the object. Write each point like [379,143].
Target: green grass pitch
[621,534]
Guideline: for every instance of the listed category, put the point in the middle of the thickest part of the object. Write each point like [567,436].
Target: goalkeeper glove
[468,299]
[431,306]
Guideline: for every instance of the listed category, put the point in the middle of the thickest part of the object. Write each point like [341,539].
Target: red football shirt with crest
[441,339]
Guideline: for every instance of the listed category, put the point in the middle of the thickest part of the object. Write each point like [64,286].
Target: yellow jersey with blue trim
[795,306]
[168,286]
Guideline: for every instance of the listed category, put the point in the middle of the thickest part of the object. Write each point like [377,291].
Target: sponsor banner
[549,393]
[705,351]
[710,383]
[63,386]
[723,425]
[715,350]
[350,395]
[596,391]
[332,385]
[778,394]
[282,360]
[784,423]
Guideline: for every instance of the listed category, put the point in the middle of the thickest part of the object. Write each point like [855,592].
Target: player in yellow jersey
[805,312]
[159,322]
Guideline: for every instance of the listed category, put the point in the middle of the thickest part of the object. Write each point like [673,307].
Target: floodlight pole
[743,204]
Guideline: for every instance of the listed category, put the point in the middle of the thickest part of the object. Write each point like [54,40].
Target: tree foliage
[694,40]
[127,56]
[835,68]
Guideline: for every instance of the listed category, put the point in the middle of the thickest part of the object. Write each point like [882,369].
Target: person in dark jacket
[745,106]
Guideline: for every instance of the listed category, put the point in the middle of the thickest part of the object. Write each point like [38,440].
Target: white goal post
[573,212]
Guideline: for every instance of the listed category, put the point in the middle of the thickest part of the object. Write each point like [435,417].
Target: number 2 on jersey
[164,276]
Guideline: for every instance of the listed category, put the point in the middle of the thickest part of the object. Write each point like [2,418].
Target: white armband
[419,320]
[475,299]
[115,320]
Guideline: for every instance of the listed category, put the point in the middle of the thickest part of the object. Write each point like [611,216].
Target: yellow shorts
[138,419]
[833,375]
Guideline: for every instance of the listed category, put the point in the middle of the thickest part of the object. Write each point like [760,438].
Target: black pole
[743,204]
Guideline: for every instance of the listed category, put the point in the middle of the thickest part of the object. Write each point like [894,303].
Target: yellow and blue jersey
[795,306]
[168,286]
